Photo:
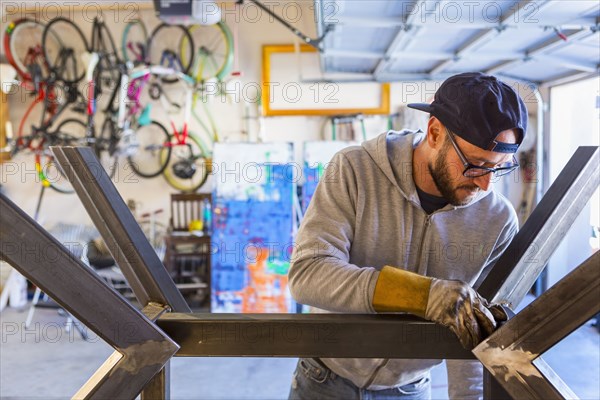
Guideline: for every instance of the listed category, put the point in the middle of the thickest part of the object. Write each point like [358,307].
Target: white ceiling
[397,40]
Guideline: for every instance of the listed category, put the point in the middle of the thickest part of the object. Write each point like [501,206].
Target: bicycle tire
[74,135]
[52,59]
[14,39]
[150,140]
[124,42]
[50,174]
[216,43]
[195,156]
[106,147]
[107,73]
[156,53]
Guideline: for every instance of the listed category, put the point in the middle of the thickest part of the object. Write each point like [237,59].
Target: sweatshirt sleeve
[321,274]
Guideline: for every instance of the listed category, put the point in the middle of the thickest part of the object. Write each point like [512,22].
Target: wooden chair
[187,256]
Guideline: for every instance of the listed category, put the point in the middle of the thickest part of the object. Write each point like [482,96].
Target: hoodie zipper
[387,360]
[422,242]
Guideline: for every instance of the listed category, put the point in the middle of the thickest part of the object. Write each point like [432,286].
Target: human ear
[434,133]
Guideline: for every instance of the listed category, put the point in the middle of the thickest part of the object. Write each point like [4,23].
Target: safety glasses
[473,171]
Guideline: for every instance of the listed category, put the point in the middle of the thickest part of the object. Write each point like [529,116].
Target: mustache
[472,188]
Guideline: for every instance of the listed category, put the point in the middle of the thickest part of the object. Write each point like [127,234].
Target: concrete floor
[47,362]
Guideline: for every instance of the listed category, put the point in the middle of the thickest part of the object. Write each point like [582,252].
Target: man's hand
[459,307]
[451,303]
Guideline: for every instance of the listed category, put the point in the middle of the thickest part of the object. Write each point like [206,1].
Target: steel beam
[310,335]
[492,390]
[517,269]
[125,240]
[141,348]
[160,386]
[512,353]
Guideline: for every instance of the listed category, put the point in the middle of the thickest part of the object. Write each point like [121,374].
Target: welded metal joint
[512,354]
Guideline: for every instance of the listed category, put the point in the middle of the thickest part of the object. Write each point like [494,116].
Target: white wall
[576,122]
[253,29]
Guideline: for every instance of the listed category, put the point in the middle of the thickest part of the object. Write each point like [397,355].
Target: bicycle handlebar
[160,71]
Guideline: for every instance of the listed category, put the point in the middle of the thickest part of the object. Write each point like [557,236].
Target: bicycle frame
[180,136]
[51,111]
[92,62]
[172,58]
[140,53]
[137,48]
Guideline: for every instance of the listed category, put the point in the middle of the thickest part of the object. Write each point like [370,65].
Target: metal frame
[125,240]
[140,363]
[525,258]
[141,348]
[310,335]
[512,353]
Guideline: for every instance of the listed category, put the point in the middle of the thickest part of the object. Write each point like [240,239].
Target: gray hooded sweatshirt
[366,214]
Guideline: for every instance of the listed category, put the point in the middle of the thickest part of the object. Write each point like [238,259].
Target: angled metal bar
[517,269]
[124,238]
[141,348]
[492,390]
[159,387]
[512,353]
[310,335]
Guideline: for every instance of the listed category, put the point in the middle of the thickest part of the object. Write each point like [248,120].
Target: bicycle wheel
[213,51]
[107,75]
[133,42]
[145,149]
[187,166]
[164,49]
[50,174]
[65,60]
[70,132]
[106,147]
[23,47]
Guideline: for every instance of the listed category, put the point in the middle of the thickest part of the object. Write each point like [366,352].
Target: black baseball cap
[477,107]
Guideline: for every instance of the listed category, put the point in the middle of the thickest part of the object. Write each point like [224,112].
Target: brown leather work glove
[450,303]
[458,306]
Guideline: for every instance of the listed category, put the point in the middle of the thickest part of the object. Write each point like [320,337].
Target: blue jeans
[312,380]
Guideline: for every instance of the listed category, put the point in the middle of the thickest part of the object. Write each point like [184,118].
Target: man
[407,223]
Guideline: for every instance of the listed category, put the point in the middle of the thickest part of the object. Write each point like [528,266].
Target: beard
[441,173]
